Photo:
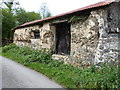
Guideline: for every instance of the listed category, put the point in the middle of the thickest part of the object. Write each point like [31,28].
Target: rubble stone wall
[25,37]
[85,37]
[107,50]
[93,40]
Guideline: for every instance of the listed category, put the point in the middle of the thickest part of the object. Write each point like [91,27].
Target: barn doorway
[63,39]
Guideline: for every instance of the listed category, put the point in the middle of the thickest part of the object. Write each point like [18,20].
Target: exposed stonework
[84,38]
[93,39]
[67,60]
[107,49]
[25,37]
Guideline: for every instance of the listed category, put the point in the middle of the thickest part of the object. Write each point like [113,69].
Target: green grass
[66,75]
[1,51]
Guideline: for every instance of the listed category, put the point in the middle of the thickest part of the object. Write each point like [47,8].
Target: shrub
[55,63]
[38,56]
[8,47]
[104,76]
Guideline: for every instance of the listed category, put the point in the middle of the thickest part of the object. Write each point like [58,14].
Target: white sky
[56,6]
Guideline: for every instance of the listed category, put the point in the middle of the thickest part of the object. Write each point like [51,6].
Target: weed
[69,76]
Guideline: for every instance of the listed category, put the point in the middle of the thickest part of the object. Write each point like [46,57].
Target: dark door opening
[63,38]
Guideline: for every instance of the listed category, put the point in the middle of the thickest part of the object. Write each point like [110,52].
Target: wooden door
[63,38]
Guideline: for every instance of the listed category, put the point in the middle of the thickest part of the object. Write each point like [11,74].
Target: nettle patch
[105,76]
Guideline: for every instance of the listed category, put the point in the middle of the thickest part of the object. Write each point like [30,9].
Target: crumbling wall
[84,38]
[25,36]
[93,39]
[47,36]
[107,50]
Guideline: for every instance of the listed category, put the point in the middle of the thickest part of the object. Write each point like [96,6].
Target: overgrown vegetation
[14,15]
[75,18]
[71,77]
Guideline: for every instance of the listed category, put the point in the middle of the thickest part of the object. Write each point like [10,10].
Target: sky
[56,6]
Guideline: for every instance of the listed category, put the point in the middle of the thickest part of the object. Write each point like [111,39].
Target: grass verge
[70,77]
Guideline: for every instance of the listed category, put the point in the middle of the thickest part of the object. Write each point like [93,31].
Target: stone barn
[86,35]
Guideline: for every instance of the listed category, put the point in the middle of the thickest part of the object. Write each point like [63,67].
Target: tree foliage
[8,19]
[8,22]
[22,16]
[44,11]
[12,17]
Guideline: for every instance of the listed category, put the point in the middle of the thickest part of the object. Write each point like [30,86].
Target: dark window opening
[63,39]
[37,34]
